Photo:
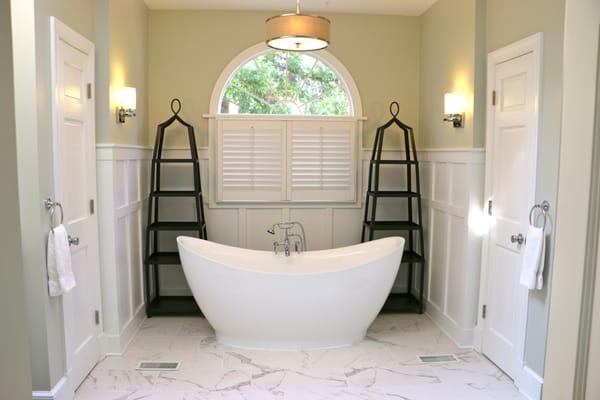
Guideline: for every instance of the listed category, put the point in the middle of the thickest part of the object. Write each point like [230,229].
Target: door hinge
[92,206]
[97,317]
[89,90]
[493,97]
[490,207]
[483,311]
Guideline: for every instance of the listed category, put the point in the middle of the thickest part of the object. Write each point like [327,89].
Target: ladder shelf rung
[392,225]
[392,193]
[394,162]
[175,193]
[174,160]
[164,258]
[176,226]
[410,257]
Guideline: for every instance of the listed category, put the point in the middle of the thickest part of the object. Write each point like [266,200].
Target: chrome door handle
[73,241]
[520,239]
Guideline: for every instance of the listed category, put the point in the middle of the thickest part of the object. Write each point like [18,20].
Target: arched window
[285,127]
[286,83]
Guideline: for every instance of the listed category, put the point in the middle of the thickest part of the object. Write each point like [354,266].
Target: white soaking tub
[316,299]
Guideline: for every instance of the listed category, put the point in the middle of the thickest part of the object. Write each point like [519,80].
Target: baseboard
[60,391]
[530,384]
[463,338]
[115,345]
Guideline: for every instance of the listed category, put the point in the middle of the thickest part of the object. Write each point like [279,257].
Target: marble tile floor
[382,367]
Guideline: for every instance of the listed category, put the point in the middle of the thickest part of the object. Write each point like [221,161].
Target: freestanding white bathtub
[316,299]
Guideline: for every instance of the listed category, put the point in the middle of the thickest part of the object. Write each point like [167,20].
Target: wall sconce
[454,109]
[126,103]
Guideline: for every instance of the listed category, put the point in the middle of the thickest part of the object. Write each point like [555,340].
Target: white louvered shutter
[321,160]
[251,160]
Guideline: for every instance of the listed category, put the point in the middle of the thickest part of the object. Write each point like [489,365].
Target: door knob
[520,239]
[73,241]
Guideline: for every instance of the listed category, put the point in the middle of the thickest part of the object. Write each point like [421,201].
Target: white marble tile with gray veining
[384,366]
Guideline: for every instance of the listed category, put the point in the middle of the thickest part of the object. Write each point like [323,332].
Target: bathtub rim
[221,262]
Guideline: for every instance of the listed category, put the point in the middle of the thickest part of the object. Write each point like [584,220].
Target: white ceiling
[396,7]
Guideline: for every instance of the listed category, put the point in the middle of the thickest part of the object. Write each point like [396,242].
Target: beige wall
[452,51]
[121,48]
[509,21]
[189,49]
[15,379]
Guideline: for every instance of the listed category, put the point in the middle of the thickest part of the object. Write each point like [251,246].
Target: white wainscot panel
[456,269]
[347,225]
[255,223]
[437,261]
[123,271]
[223,225]
[317,225]
[441,182]
[136,265]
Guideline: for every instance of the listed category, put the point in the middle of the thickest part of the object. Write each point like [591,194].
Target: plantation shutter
[321,161]
[251,160]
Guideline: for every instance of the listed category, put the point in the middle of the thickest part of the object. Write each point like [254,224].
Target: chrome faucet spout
[299,236]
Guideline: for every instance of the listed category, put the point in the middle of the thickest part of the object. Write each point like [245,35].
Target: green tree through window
[285,83]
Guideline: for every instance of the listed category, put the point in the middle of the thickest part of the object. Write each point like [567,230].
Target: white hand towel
[532,267]
[60,273]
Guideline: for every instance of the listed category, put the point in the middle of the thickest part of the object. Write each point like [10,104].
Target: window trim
[215,118]
[324,56]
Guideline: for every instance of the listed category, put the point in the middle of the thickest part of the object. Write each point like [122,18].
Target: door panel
[512,190]
[75,186]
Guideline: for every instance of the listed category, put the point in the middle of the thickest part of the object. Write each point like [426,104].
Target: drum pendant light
[298,32]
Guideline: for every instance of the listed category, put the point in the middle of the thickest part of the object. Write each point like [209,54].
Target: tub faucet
[297,239]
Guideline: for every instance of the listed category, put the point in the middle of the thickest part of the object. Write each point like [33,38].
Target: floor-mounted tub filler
[315,299]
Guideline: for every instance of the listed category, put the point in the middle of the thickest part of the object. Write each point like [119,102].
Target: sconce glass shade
[127,98]
[454,104]
[298,32]
[454,109]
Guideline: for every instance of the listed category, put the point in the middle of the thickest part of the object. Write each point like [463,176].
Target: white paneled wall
[123,179]
[452,187]
[453,182]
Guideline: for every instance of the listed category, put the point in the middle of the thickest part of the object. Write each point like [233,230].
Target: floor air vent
[437,359]
[158,365]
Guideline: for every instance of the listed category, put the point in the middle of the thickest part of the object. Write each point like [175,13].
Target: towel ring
[543,207]
[51,205]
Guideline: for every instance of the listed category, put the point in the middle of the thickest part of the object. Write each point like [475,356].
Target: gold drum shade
[298,32]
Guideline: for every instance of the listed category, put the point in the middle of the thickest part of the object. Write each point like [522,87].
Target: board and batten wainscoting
[452,187]
[455,222]
[123,174]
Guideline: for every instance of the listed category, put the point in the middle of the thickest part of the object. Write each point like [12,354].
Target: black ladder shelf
[411,227]
[153,256]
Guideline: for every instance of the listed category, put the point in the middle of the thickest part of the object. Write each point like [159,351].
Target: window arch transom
[286,83]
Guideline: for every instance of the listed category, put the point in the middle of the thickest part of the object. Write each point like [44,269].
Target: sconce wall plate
[123,113]
[458,120]
[126,103]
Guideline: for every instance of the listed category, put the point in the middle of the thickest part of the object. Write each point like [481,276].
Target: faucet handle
[275,245]
[271,231]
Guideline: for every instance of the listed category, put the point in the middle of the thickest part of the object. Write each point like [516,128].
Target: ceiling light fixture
[298,32]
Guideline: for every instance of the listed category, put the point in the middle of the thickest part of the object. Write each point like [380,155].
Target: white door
[510,180]
[75,188]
